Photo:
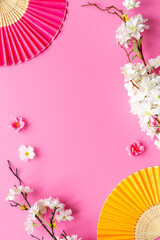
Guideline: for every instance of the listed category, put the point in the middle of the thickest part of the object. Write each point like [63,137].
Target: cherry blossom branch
[107,9]
[127,53]
[14,204]
[64,235]
[139,46]
[51,223]
[35,213]
[122,16]
[134,84]
[15,173]
[45,227]
[37,237]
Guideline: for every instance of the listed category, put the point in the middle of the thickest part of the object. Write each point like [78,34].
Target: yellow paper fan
[132,211]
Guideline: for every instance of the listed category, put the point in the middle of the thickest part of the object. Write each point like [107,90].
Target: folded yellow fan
[132,211]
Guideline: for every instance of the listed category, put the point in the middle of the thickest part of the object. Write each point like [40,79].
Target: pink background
[73,99]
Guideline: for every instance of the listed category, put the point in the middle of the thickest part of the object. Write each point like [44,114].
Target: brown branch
[37,237]
[140,51]
[15,173]
[43,225]
[51,223]
[127,53]
[134,85]
[107,9]
[120,14]
[64,235]
[14,204]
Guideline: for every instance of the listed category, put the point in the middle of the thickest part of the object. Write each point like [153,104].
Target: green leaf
[135,49]
[134,57]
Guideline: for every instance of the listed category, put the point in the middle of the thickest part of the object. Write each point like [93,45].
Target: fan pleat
[8,47]
[43,35]
[131,186]
[22,53]
[146,179]
[15,54]
[39,33]
[49,26]
[2,58]
[123,211]
[26,40]
[34,39]
[28,29]
[142,188]
[50,18]
[23,43]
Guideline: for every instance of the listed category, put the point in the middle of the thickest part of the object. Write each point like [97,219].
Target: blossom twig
[107,9]
[45,227]
[134,85]
[51,222]
[58,211]
[127,53]
[121,15]
[37,237]
[64,235]
[14,204]
[139,46]
[15,173]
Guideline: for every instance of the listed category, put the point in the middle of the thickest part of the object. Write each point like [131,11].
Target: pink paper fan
[27,27]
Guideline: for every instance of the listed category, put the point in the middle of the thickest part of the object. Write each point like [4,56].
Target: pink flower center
[135,148]
[16,124]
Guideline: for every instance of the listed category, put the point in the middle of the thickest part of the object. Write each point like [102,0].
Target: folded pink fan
[27,27]
[157,238]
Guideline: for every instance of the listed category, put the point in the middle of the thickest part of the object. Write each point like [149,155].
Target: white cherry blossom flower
[47,201]
[64,215]
[17,191]
[130,4]
[26,153]
[144,98]
[34,210]
[41,206]
[14,192]
[155,96]
[122,35]
[55,203]
[131,90]
[157,143]
[155,80]
[146,127]
[27,189]
[128,71]
[154,62]
[131,29]
[133,72]
[29,225]
[135,26]
[73,237]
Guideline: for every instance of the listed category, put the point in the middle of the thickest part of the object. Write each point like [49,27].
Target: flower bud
[158,130]
[23,207]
